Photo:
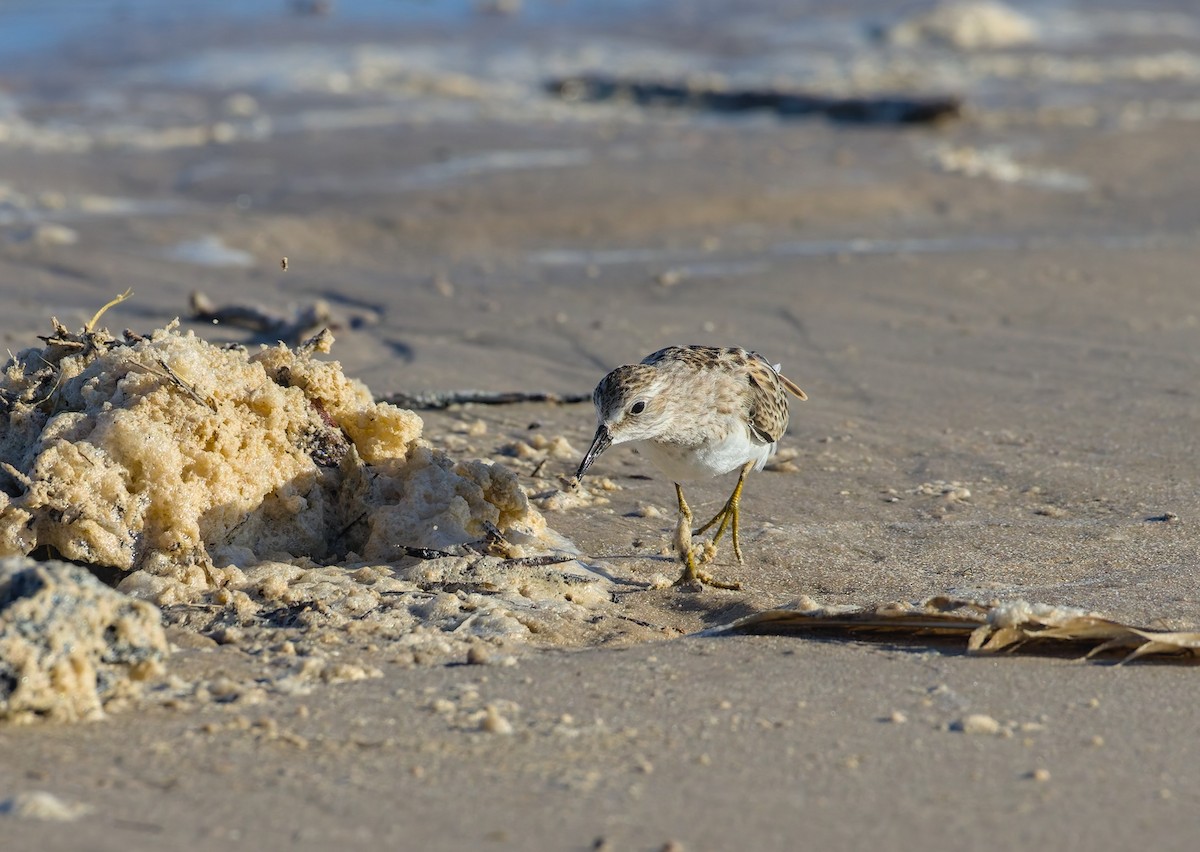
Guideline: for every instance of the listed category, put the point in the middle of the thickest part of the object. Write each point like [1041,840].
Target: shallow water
[226,80]
[1096,55]
[29,28]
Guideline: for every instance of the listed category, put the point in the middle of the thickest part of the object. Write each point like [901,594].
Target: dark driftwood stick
[864,109]
[438,400]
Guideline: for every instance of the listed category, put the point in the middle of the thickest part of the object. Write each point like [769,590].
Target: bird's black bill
[600,443]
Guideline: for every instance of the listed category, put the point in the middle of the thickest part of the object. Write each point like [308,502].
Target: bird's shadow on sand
[713,606]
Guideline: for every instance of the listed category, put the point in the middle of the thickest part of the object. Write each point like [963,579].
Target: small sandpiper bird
[696,412]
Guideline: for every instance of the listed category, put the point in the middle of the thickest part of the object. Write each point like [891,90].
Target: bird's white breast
[712,458]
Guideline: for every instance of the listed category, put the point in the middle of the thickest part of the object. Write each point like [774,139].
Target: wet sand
[1001,369]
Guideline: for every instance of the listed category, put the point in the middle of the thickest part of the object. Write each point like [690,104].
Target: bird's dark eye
[638,407]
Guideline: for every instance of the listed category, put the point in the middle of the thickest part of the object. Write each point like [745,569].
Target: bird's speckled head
[631,402]
[630,406]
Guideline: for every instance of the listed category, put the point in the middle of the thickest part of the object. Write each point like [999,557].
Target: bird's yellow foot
[692,575]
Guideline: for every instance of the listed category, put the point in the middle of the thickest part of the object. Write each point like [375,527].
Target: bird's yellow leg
[720,515]
[683,532]
[683,539]
[728,516]
[683,542]
[737,546]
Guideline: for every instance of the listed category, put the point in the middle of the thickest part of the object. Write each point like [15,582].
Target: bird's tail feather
[792,387]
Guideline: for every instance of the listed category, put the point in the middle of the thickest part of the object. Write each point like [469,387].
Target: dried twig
[17,476]
[342,532]
[62,336]
[187,388]
[537,561]
[91,325]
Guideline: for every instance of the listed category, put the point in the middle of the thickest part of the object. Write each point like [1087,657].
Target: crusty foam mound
[70,647]
[182,463]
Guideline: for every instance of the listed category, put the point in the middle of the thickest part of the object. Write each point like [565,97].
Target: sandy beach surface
[995,318]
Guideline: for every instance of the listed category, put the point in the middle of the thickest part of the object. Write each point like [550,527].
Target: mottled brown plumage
[695,412]
[766,404]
